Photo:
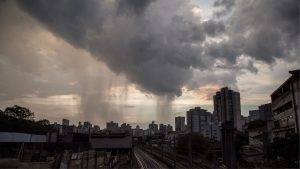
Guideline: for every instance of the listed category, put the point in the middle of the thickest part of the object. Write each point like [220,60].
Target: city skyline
[60,71]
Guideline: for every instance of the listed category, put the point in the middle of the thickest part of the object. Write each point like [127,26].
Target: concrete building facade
[65,122]
[162,128]
[197,118]
[112,125]
[169,128]
[265,111]
[227,111]
[179,123]
[200,121]
[227,107]
[153,127]
[285,106]
[254,115]
[229,146]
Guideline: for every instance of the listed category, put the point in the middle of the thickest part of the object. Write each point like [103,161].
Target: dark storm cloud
[224,6]
[136,6]
[214,28]
[158,45]
[275,34]
[264,30]
[228,4]
[68,19]
[155,55]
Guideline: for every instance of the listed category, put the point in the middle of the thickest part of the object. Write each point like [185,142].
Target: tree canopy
[200,145]
[286,149]
[21,119]
[19,112]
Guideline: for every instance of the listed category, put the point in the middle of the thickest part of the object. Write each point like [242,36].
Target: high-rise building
[214,131]
[65,122]
[126,127]
[200,121]
[229,142]
[79,124]
[96,129]
[87,125]
[285,106]
[112,126]
[179,123]
[227,111]
[227,107]
[265,112]
[137,132]
[162,128]
[254,115]
[197,118]
[153,127]
[169,128]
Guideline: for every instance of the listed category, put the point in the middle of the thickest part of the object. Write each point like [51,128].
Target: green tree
[285,149]
[200,145]
[19,112]
[13,121]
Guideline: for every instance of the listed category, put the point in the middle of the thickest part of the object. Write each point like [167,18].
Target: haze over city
[136,61]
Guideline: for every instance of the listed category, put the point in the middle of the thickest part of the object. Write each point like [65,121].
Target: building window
[276,124]
[283,108]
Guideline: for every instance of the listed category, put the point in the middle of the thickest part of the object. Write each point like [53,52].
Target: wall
[21,137]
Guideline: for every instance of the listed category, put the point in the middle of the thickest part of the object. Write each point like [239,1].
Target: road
[145,160]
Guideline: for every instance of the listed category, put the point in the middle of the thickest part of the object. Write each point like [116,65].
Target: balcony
[283,128]
[282,100]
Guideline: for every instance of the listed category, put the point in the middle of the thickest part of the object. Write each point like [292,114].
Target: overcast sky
[136,61]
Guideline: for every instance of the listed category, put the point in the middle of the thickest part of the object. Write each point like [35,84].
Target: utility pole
[190,143]
[96,156]
[87,160]
[174,152]
[162,151]
[190,149]
[21,151]
[151,145]
[82,160]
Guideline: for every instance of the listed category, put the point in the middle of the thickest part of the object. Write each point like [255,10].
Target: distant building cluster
[269,121]
[85,128]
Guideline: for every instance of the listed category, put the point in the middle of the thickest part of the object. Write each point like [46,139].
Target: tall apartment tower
[227,107]
[153,127]
[179,123]
[197,118]
[227,110]
[65,122]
